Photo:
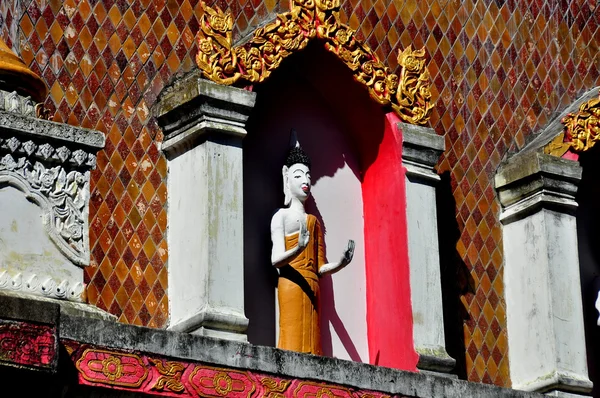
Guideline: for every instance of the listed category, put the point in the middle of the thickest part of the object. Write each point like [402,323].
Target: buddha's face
[299,181]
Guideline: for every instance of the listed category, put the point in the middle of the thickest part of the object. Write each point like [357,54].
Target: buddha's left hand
[348,253]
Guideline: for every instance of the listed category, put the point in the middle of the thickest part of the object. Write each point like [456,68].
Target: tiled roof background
[500,70]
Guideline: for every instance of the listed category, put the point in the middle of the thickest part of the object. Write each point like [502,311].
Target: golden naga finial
[413,96]
[583,127]
[291,32]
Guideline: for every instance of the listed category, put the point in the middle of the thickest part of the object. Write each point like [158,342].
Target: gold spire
[16,76]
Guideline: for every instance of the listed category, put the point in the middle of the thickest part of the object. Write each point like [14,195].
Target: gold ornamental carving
[557,147]
[408,95]
[275,388]
[170,378]
[581,130]
[583,127]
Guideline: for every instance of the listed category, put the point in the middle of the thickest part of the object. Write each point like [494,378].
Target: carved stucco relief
[50,164]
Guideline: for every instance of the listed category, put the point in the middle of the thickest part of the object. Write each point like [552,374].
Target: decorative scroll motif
[150,375]
[105,367]
[253,62]
[93,140]
[275,388]
[413,96]
[15,103]
[62,193]
[170,378]
[27,344]
[32,283]
[583,126]
[557,147]
[216,382]
[309,389]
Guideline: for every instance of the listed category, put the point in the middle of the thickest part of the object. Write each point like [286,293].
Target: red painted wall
[389,311]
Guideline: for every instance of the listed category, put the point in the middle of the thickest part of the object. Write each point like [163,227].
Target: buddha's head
[296,175]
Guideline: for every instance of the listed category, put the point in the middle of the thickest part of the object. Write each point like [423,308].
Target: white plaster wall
[528,303]
[339,199]
[24,244]
[423,251]
[225,225]
[543,299]
[565,283]
[187,236]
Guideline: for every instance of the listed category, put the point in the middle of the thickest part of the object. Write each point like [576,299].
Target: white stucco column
[546,341]
[421,148]
[204,126]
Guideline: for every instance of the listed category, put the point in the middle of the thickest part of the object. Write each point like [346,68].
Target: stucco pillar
[421,148]
[204,126]
[546,341]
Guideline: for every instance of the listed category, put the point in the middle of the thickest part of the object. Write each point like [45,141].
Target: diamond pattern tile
[500,70]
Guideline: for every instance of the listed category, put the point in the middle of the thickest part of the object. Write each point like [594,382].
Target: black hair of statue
[297,155]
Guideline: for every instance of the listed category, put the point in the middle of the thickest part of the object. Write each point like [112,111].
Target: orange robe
[298,293]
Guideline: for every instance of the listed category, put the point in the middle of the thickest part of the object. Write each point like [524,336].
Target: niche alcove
[358,193]
[588,222]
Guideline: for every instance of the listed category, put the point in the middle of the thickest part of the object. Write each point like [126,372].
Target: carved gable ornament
[583,126]
[581,131]
[407,94]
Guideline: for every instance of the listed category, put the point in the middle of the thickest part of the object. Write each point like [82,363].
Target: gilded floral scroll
[581,131]
[254,61]
[583,126]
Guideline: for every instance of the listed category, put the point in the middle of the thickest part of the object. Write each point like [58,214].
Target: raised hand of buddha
[303,236]
[348,253]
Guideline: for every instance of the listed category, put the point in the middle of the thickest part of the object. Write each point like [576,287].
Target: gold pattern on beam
[557,147]
[583,127]
[254,61]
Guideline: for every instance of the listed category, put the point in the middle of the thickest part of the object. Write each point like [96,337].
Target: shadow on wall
[304,94]
[588,235]
[456,279]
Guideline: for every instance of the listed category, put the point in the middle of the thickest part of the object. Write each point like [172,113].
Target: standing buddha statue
[299,254]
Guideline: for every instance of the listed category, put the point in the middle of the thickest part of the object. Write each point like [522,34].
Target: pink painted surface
[571,156]
[153,375]
[389,314]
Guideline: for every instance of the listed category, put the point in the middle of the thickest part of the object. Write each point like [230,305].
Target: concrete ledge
[15,305]
[212,321]
[566,381]
[435,360]
[70,136]
[237,355]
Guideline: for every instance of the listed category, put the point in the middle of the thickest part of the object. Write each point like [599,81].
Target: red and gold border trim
[408,94]
[132,371]
[25,344]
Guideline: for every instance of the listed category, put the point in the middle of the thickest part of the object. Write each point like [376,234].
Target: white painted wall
[188,257]
[24,244]
[423,252]
[541,279]
[205,237]
[343,306]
